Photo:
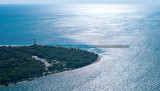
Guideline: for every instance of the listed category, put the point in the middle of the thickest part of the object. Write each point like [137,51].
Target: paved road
[42,60]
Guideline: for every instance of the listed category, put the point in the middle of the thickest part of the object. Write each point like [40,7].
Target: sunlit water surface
[133,69]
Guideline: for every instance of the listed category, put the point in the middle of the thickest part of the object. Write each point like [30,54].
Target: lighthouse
[34,42]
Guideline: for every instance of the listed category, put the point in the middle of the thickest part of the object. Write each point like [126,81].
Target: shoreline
[14,45]
[34,78]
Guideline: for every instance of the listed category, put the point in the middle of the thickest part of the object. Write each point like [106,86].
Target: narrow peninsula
[21,63]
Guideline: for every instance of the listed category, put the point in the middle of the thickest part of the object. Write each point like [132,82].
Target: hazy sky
[78,1]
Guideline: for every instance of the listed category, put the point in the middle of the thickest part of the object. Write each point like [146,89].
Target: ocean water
[131,69]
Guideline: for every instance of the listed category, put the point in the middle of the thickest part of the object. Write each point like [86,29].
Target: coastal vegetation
[17,63]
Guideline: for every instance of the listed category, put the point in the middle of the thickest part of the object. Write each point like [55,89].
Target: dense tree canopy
[17,64]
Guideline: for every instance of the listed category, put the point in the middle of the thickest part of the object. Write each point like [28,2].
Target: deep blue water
[131,69]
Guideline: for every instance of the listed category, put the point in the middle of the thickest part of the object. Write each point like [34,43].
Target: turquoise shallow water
[131,69]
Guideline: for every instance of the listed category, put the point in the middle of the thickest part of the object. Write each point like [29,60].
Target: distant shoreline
[14,45]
